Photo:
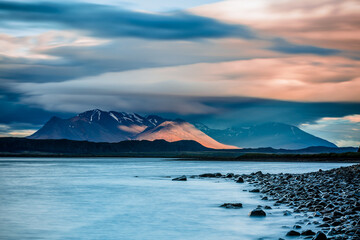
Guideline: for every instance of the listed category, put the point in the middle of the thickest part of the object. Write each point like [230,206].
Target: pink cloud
[325,23]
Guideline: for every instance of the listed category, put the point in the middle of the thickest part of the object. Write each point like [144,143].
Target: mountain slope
[97,126]
[275,135]
[172,131]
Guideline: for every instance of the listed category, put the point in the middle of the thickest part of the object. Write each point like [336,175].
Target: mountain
[275,135]
[174,131]
[100,126]
[97,126]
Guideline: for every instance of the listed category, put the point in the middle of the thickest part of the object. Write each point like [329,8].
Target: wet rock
[256,190]
[331,196]
[182,178]
[308,233]
[232,205]
[257,213]
[320,236]
[229,175]
[317,214]
[292,233]
[208,175]
[240,180]
[287,213]
[267,207]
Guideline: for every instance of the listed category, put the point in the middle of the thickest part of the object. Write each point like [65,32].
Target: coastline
[350,157]
[332,195]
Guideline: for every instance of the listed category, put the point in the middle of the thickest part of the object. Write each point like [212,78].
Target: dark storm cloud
[105,21]
[283,46]
[14,112]
[243,111]
[71,62]
[217,112]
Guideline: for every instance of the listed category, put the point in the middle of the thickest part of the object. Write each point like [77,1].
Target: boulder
[208,175]
[320,236]
[255,190]
[292,233]
[182,178]
[308,233]
[232,205]
[257,213]
[240,180]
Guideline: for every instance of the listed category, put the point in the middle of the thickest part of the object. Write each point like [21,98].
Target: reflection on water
[102,199]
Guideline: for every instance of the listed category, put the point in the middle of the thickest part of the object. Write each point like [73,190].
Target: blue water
[102,199]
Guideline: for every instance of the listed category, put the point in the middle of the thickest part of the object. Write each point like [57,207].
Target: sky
[223,63]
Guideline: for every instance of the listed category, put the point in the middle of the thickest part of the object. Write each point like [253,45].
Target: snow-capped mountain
[101,126]
[271,134]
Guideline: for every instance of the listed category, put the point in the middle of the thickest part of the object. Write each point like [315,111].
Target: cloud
[35,46]
[343,131]
[13,112]
[281,45]
[109,22]
[14,131]
[304,79]
[325,24]
[43,58]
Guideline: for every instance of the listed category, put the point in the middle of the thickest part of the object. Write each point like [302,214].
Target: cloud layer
[105,21]
[226,63]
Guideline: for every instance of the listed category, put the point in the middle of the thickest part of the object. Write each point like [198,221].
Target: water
[102,199]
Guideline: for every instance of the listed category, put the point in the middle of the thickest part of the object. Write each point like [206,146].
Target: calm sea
[129,198]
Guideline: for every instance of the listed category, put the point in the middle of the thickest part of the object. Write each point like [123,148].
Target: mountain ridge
[269,134]
[101,126]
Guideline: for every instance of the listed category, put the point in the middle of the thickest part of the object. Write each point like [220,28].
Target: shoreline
[332,195]
[349,157]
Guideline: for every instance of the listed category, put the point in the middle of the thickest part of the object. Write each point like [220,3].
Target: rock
[292,233]
[337,214]
[208,175]
[240,180]
[317,214]
[287,213]
[229,175]
[296,226]
[308,233]
[320,236]
[218,175]
[331,197]
[257,213]
[267,207]
[182,178]
[255,190]
[232,205]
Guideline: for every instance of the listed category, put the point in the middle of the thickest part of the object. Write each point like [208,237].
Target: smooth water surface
[129,198]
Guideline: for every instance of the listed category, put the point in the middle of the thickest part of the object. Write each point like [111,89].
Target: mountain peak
[269,134]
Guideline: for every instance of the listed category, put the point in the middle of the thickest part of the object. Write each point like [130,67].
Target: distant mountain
[274,135]
[172,131]
[101,126]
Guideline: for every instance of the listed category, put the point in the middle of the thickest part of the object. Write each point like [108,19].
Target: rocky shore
[333,196]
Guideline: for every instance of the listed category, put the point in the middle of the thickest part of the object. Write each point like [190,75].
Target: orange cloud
[297,78]
[34,46]
[325,23]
